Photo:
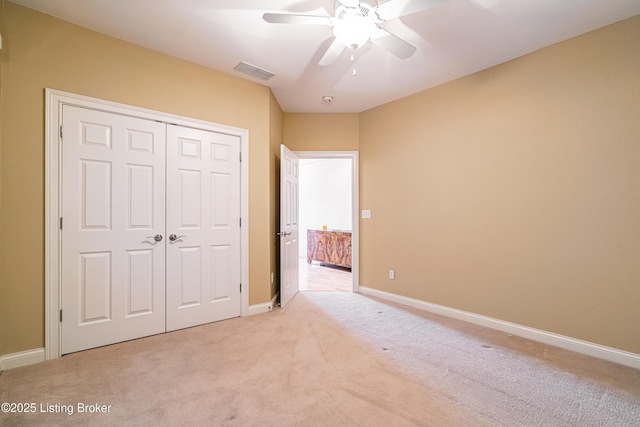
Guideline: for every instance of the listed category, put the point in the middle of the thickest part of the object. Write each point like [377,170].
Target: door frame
[54,100]
[355,207]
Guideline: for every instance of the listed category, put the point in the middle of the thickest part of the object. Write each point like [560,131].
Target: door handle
[284,233]
[173,237]
[157,237]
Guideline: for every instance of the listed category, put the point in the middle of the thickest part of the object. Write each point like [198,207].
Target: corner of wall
[2,58]
[276,125]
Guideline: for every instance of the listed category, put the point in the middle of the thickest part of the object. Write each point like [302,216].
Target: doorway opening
[328,209]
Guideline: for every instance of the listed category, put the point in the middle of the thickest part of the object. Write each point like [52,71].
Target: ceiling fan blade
[397,8]
[393,44]
[332,53]
[287,18]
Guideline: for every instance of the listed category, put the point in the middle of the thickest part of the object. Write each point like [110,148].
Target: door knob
[157,237]
[173,237]
[284,233]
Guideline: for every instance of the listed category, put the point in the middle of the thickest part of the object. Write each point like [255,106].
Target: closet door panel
[203,215]
[113,207]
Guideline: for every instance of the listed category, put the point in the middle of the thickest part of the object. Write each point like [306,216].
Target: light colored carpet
[329,359]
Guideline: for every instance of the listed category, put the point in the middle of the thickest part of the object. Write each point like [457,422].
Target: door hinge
[240,155]
[60,131]
[60,223]
[240,287]
[240,221]
[60,316]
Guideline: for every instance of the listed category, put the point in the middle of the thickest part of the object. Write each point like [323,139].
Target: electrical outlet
[392,274]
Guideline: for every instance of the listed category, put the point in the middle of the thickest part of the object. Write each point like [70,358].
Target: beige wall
[275,139]
[515,192]
[41,52]
[321,132]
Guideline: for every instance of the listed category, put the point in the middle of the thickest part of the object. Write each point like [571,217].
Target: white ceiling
[456,38]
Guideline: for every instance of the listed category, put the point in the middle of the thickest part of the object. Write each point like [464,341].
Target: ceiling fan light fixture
[354,30]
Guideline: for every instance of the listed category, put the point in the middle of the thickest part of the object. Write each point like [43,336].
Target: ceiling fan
[356,22]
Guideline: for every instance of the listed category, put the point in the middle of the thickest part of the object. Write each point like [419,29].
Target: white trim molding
[584,347]
[265,307]
[22,358]
[54,102]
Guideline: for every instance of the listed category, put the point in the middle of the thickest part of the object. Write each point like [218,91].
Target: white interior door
[203,227]
[113,219]
[289,270]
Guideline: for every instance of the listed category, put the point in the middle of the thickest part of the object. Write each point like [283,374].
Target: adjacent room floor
[324,277]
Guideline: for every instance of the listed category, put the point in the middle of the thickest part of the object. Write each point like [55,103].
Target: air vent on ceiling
[253,71]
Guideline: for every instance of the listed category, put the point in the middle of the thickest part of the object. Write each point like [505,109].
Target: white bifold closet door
[128,185]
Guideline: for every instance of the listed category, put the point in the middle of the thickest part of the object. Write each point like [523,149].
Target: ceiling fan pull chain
[353,59]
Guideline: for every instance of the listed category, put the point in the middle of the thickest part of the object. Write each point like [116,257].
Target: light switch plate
[366,213]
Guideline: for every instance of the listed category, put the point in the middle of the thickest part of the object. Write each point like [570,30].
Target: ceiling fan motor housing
[353,25]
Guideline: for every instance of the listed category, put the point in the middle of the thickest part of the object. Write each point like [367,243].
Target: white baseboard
[264,307]
[31,357]
[584,347]
[23,358]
